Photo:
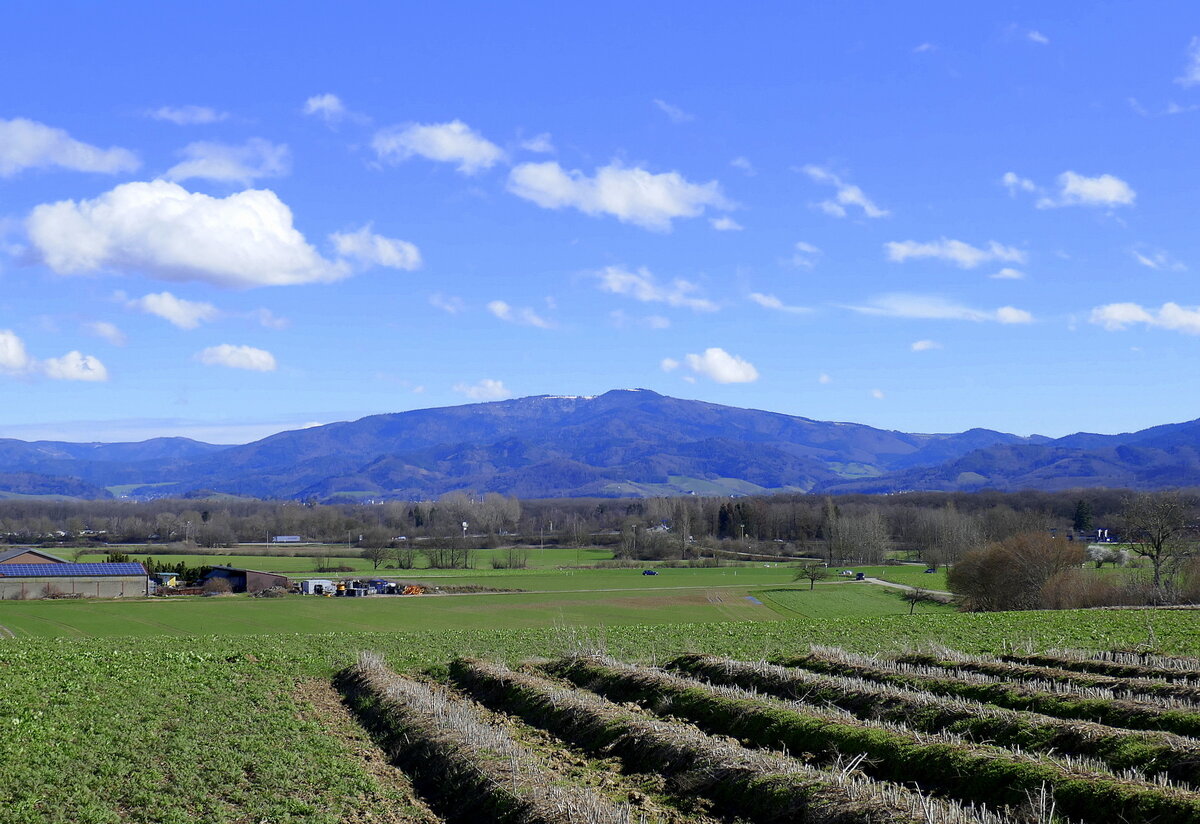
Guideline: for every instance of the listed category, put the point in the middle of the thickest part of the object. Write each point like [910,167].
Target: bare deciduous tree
[1158,527]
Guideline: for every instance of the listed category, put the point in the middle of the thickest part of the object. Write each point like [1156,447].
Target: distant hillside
[624,442]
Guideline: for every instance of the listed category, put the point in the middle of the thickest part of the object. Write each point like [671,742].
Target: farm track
[762,787]
[970,773]
[470,769]
[1101,706]
[1118,665]
[1151,753]
[1010,671]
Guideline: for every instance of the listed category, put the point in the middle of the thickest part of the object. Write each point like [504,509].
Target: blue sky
[222,220]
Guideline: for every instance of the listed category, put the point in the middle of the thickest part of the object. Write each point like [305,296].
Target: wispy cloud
[676,114]
[27,144]
[488,389]
[453,142]
[961,254]
[642,285]
[848,195]
[933,307]
[772,302]
[631,195]
[520,315]
[248,358]
[1191,71]
[1171,316]
[242,164]
[187,115]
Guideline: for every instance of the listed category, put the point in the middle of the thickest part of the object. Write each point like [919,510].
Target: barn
[57,578]
[247,580]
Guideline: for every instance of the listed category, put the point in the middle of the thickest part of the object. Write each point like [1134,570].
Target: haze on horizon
[932,221]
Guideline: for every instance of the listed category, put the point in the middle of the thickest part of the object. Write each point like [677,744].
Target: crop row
[1012,671]
[752,784]
[1151,753]
[1104,708]
[1119,664]
[472,768]
[964,771]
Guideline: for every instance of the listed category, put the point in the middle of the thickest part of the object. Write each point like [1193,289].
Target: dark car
[649,571]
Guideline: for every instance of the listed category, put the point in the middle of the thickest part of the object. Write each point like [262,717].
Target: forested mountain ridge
[624,442]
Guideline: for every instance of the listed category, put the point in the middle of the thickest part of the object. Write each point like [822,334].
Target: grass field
[277,560]
[231,729]
[585,598]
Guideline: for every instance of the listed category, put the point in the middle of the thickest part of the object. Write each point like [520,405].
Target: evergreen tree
[1083,516]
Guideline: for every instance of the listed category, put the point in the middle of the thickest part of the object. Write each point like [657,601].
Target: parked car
[649,571]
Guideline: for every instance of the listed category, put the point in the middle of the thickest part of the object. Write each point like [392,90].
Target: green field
[278,560]
[225,729]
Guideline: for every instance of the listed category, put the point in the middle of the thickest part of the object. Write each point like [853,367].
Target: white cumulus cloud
[75,366]
[328,107]
[238,357]
[772,302]
[487,389]
[642,285]
[523,316]
[847,194]
[187,115]
[668,364]
[1172,316]
[453,142]
[1035,36]
[161,230]
[745,165]
[186,314]
[961,254]
[27,144]
[1079,190]
[925,345]
[877,394]
[14,360]
[634,195]
[371,249]
[721,367]
[232,164]
[932,307]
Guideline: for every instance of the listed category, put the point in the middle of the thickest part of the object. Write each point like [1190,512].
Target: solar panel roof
[68,570]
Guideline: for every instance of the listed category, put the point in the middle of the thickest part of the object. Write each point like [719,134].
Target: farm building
[246,580]
[20,581]
[28,555]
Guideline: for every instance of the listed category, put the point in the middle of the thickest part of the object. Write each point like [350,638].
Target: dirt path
[395,802]
[907,588]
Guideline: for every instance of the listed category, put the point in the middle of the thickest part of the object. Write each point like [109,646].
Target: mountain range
[622,443]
